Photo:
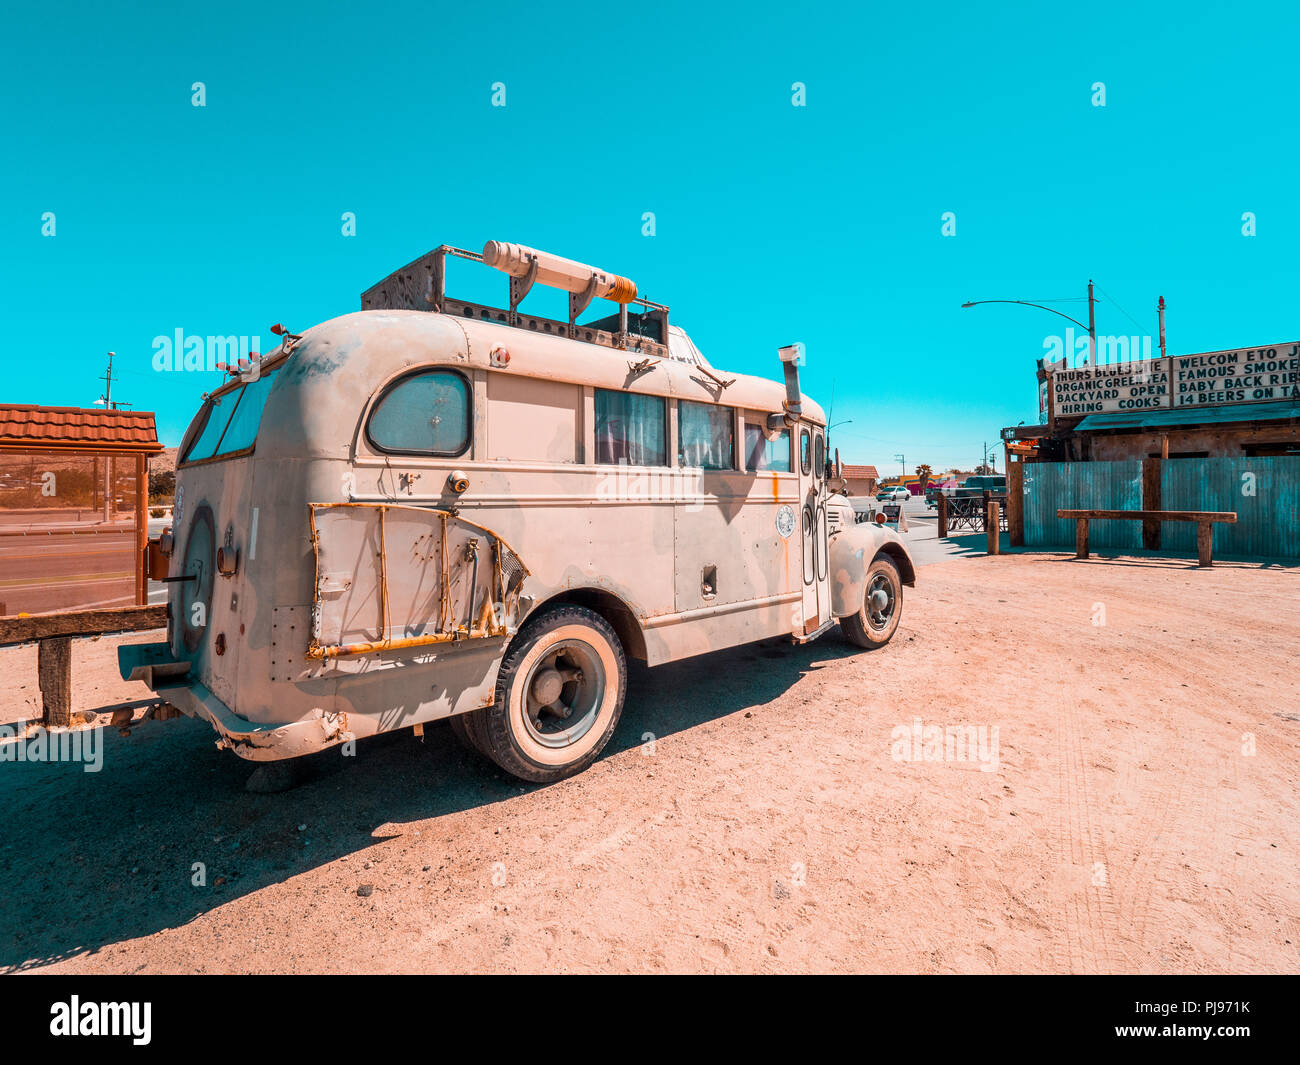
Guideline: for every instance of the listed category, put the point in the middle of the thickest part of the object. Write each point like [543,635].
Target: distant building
[861,480]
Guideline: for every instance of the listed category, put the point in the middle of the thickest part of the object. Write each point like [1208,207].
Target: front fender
[852,550]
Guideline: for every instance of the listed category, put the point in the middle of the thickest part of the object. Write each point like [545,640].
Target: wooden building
[73,507]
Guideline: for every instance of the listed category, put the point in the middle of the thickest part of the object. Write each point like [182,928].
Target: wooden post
[1204,540]
[1151,501]
[943,515]
[1081,538]
[992,523]
[54,677]
[1016,503]
[141,529]
[1164,441]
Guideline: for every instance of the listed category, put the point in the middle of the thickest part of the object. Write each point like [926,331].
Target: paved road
[57,571]
[922,536]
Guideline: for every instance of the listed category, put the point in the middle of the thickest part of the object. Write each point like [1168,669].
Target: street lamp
[1091,326]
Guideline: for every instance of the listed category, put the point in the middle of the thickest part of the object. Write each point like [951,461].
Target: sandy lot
[1140,811]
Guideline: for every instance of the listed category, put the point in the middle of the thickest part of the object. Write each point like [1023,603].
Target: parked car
[893,495]
[977,485]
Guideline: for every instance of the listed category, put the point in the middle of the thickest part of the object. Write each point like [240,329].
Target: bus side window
[762,453]
[630,429]
[707,436]
[819,457]
[805,453]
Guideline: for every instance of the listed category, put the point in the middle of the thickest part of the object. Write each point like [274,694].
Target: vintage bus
[434,508]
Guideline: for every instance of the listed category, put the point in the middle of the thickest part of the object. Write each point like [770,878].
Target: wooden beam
[20,629]
[1081,538]
[943,515]
[992,526]
[1204,540]
[1151,501]
[141,529]
[1016,503]
[1228,516]
[54,677]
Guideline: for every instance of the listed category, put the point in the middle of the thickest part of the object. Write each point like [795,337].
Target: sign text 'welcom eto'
[1216,378]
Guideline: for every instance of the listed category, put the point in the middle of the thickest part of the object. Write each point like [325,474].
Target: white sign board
[1142,385]
[1216,378]
[1246,375]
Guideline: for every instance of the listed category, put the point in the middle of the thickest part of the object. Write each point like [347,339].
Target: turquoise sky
[774,223]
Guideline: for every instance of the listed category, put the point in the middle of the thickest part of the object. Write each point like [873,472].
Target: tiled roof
[26,426]
[859,472]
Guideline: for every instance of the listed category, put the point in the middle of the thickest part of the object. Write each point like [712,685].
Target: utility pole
[107,398]
[1160,311]
[1092,326]
[902,463]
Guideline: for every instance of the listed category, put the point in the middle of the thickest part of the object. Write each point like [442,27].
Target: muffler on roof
[532,266]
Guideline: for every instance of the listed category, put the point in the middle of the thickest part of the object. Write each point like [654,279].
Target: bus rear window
[232,421]
[424,413]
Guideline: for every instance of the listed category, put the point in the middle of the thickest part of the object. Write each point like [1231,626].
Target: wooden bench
[1204,519]
[54,633]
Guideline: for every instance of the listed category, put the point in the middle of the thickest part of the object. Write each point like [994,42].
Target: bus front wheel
[882,605]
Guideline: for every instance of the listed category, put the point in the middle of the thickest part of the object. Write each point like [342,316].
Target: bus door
[816,601]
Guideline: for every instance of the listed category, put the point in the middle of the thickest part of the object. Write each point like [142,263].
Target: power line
[1112,299]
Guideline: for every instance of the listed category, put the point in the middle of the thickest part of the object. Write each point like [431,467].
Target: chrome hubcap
[564,692]
[880,601]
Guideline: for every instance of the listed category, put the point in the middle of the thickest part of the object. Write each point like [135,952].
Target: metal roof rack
[421,286]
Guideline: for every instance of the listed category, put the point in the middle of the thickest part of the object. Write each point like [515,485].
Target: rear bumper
[154,665]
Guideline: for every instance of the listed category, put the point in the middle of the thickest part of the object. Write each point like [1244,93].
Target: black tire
[872,628]
[460,729]
[572,654]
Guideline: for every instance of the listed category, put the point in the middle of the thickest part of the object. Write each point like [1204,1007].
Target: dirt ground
[1137,810]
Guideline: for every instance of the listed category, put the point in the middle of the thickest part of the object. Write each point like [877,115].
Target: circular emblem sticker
[785,521]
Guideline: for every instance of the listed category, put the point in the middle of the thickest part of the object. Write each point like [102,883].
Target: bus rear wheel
[882,605]
[559,696]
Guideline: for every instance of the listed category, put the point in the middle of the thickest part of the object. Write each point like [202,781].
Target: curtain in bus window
[426,413]
[630,429]
[707,436]
[764,454]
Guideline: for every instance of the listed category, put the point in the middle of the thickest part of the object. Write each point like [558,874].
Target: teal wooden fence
[1080,486]
[1264,492]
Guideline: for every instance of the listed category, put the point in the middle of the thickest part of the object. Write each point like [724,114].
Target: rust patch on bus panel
[424,553]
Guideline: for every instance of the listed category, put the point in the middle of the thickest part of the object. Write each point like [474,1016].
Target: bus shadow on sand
[91,859]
